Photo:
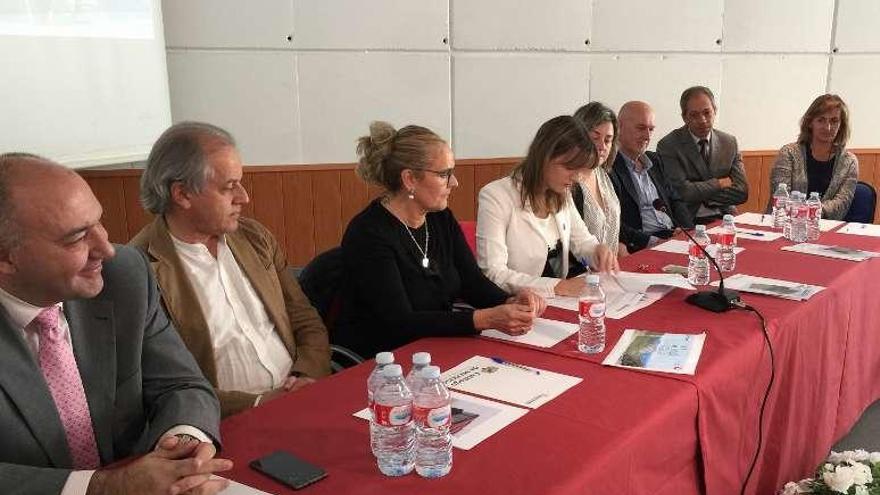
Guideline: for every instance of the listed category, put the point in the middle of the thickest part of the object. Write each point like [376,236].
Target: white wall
[297,81]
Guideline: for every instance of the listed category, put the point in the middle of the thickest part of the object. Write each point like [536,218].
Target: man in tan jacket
[224,280]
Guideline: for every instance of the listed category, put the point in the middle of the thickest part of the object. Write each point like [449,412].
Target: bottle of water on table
[814,209]
[799,220]
[780,206]
[393,432]
[432,412]
[591,314]
[420,361]
[698,263]
[727,244]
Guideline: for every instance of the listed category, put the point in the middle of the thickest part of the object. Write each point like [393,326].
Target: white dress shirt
[250,355]
[21,314]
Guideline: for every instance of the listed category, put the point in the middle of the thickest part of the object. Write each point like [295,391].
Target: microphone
[720,300]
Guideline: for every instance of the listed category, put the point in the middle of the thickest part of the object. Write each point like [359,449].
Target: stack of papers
[506,381]
[655,351]
[766,220]
[770,287]
[868,229]
[627,292]
[489,417]
[678,246]
[544,333]
[750,234]
[836,252]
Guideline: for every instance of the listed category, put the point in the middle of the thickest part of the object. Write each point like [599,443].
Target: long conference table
[622,431]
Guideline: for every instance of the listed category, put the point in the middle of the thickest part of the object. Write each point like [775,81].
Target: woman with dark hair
[594,194]
[406,258]
[818,161]
[527,223]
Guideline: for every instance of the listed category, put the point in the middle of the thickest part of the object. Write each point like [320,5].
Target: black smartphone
[285,468]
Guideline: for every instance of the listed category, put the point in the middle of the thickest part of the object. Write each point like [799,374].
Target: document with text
[771,287]
[836,252]
[657,351]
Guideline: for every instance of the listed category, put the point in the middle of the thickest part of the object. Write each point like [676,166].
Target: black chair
[863,204]
[321,281]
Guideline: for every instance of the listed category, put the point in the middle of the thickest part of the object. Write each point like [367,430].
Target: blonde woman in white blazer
[521,217]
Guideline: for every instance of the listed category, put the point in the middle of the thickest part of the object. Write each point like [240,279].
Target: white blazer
[510,248]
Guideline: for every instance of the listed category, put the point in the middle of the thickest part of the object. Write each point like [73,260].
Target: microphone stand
[718,301]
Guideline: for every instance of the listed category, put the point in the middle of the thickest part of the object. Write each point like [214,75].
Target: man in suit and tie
[703,164]
[224,279]
[91,370]
[639,181]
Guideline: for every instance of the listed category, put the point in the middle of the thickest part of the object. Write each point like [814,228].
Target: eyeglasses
[443,174]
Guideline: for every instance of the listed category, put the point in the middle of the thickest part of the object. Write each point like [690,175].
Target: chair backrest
[321,280]
[469,227]
[863,204]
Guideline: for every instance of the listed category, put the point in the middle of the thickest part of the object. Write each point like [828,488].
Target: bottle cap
[385,358]
[431,372]
[593,279]
[727,218]
[421,358]
[700,228]
[392,370]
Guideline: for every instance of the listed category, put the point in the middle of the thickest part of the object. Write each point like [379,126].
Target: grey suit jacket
[138,377]
[696,182]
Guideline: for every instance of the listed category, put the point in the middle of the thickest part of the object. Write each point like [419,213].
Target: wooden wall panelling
[109,192]
[327,209]
[354,196]
[462,201]
[135,215]
[867,163]
[752,166]
[267,200]
[247,183]
[299,217]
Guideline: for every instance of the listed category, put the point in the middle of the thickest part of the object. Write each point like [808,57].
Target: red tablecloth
[623,431]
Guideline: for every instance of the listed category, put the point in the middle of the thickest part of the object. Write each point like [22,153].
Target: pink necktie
[62,375]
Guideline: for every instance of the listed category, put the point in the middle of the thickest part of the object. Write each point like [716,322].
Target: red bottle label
[695,251]
[437,417]
[392,415]
[587,309]
[726,238]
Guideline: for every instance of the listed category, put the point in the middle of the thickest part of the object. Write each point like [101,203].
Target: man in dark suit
[703,164]
[91,371]
[639,181]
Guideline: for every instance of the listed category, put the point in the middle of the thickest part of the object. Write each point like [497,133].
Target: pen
[523,367]
[586,265]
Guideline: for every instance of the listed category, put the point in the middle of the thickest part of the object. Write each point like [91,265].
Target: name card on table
[750,234]
[868,229]
[499,379]
[678,246]
[766,220]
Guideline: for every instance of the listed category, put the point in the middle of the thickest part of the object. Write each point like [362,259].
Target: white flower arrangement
[853,472]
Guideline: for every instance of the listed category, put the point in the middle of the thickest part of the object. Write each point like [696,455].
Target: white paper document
[544,333]
[868,229]
[507,381]
[770,287]
[488,417]
[681,247]
[657,351]
[750,234]
[836,252]
[628,292]
[766,220]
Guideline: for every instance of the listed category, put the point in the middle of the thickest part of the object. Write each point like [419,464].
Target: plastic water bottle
[799,220]
[591,313]
[780,206]
[786,229]
[375,379]
[432,412]
[698,263]
[393,431]
[727,244]
[814,209]
[420,361]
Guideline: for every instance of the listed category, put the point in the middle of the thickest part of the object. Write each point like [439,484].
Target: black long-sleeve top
[390,299]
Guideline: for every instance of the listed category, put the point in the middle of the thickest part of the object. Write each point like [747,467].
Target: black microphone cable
[741,305]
